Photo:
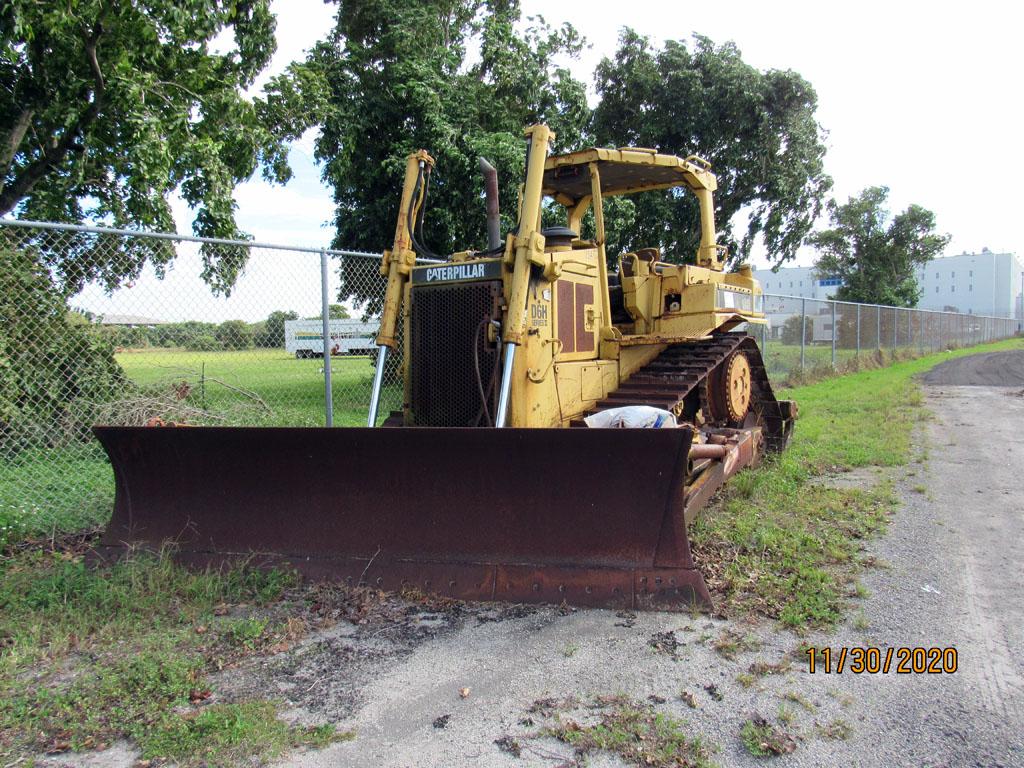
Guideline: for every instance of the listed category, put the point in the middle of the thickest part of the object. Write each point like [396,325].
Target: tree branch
[58,149]
[13,141]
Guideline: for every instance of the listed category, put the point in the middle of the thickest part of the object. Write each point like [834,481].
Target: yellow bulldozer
[503,476]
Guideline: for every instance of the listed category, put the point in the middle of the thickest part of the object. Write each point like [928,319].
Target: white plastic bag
[632,417]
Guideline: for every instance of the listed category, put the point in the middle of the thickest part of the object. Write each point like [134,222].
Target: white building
[803,283]
[984,283]
[796,281]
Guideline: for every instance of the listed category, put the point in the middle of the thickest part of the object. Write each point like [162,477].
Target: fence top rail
[98,230]
[887,306]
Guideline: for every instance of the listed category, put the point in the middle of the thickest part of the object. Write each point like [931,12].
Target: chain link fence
[107,326]
[807,335]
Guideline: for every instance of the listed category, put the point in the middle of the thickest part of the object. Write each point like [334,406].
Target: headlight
[726,298]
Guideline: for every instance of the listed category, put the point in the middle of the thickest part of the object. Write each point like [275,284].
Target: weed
[922,489]
[799,699]
[836,730]
[860,621]
[636,734]
[746,679]
[122,652]
[730,643]
[763,668]
[248,633]
[786,715]
[844,699]
[761,738]
[570,650]
[230,734]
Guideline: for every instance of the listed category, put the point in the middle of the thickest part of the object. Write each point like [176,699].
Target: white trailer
[305,338]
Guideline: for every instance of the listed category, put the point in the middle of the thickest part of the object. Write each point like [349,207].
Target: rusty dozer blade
[590,517]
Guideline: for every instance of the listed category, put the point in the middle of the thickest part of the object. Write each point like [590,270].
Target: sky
[922,97]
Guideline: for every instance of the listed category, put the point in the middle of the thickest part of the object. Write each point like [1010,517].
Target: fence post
[803,331]
[858,331]
[878,326]
[910,330]
[895,325]
[833,335]
[325,301]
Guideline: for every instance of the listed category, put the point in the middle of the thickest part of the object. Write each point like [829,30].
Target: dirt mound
[994,369]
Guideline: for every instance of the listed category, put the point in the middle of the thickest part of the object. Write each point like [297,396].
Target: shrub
[234,334]
[54,368]
[203,343]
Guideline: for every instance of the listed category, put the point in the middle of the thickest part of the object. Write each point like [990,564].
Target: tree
[272,335]
[334,312]
[394,77]
[55,369]
[234,334]
[758,130]
[106,108]
[876,255]
[791,330]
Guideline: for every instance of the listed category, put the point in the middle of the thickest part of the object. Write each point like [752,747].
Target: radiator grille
[444,329]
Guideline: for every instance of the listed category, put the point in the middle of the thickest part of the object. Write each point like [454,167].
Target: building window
[801,283]
[970,288]
[952,289]
[790,283]
[970,273]
[936,289]
[936,275]
[952,275]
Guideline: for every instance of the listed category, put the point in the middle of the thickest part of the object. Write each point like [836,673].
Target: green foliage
[272,335]
[334,312]
[394,77]
[123,652]
[234,334]
[53,368]
[876,255]
[203,343]
[792,328]
[638,735]
[107,108]
[758,130]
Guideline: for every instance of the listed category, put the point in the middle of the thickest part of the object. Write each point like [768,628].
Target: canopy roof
[623,171]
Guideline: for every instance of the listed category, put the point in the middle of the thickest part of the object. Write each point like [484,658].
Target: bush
[791,330]
[203,343]
[54,368]
[234,334]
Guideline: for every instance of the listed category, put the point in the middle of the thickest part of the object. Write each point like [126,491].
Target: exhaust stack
[491,189]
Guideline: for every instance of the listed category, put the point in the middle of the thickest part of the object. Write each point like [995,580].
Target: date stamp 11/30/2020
[871,660]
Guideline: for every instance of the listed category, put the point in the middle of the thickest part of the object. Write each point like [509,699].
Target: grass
[784,546]
[72,487]
[293,389]
[762,739]
[638,735]
[89,656]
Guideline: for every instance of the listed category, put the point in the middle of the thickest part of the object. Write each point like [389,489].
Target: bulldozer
[502,477]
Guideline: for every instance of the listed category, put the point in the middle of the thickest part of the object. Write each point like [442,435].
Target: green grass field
[53,489]
[293,390]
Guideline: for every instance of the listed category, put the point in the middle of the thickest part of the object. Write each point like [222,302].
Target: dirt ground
[427,683]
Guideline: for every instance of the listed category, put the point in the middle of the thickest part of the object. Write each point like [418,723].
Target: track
[681,377]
